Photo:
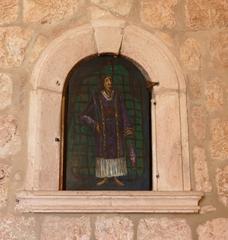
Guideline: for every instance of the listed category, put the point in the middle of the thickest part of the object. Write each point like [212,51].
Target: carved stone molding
[108,201]
[4,178]
[170,160]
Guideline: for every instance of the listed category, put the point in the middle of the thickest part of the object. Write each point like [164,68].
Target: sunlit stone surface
[201,170]
[158,14]
[163,229]
[219,139]
[222,184]
[216,229]
[190,54]
[13,44]
[117,228]
[6,90]
[70,228]
[49,11]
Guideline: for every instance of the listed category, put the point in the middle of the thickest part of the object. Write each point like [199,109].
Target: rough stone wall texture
[196,32]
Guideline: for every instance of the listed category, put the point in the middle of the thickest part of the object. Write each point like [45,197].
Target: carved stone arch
[170,128]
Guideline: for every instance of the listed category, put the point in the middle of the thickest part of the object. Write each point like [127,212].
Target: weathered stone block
[158,14]
[70,49]
[116,6]
[163,229]
[8,11]
[205,14]
[190,54]
[117,228]
[4,178]
[96,13]
[198,121]
[49,129]
[201,170]
[219,139]
[17,228]
[194,86]
[214,95]
[216,229]
[108,35]
[169,149]
[39,45]
[9,139]
[13,43]
[46,11]
[6,89]
[197,14]
[219,49]
[166,38]
[207,209]
[59,228]
[219,13]
[222,184]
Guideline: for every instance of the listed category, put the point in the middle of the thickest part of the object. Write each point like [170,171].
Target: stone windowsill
[108,202]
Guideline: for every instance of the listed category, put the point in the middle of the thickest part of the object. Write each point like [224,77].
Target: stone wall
[196,32]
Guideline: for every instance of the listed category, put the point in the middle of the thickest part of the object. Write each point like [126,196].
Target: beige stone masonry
[4,179]
[216,229]
[207,208]
[18,228]
[48,131]
[13,44]
[117,228]
[63,52]
[96,13]
[214,95]
[158,14]
[205,14]
[198,120]
[163,229]
[171,172]
[119,7]
[221,184]
[69,228]
[190,54]
[168,148]
[219,49]
[108,35]
[219,139]
[6,90]
[194,85]
[47,11]
[39,45]
[10,141]
[8,11]
[201,170]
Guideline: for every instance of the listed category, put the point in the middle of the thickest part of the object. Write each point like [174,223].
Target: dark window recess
[79,158]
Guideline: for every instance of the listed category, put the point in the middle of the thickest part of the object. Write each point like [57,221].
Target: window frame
[172,185]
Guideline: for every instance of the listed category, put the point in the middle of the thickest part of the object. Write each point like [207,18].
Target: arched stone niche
[171,171]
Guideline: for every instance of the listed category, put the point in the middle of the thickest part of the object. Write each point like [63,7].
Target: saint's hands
[98,129]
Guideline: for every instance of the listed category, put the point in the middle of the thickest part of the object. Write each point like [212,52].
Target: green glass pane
[82,149]
[84,172]
[139,162]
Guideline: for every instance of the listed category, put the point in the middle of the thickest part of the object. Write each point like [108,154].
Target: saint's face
[108,84]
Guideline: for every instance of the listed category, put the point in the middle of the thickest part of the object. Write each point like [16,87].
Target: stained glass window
[84,82]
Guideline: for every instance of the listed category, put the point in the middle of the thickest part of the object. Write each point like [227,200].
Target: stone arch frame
[171,174]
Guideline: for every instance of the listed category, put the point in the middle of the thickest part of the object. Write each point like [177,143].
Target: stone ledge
[108,202]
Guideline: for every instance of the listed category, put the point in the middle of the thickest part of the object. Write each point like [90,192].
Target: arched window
[86,164]
[172,185]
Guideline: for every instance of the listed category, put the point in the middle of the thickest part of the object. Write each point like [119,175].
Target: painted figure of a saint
[107,116]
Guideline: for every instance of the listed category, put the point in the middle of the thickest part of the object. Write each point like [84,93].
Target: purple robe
[111,115]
